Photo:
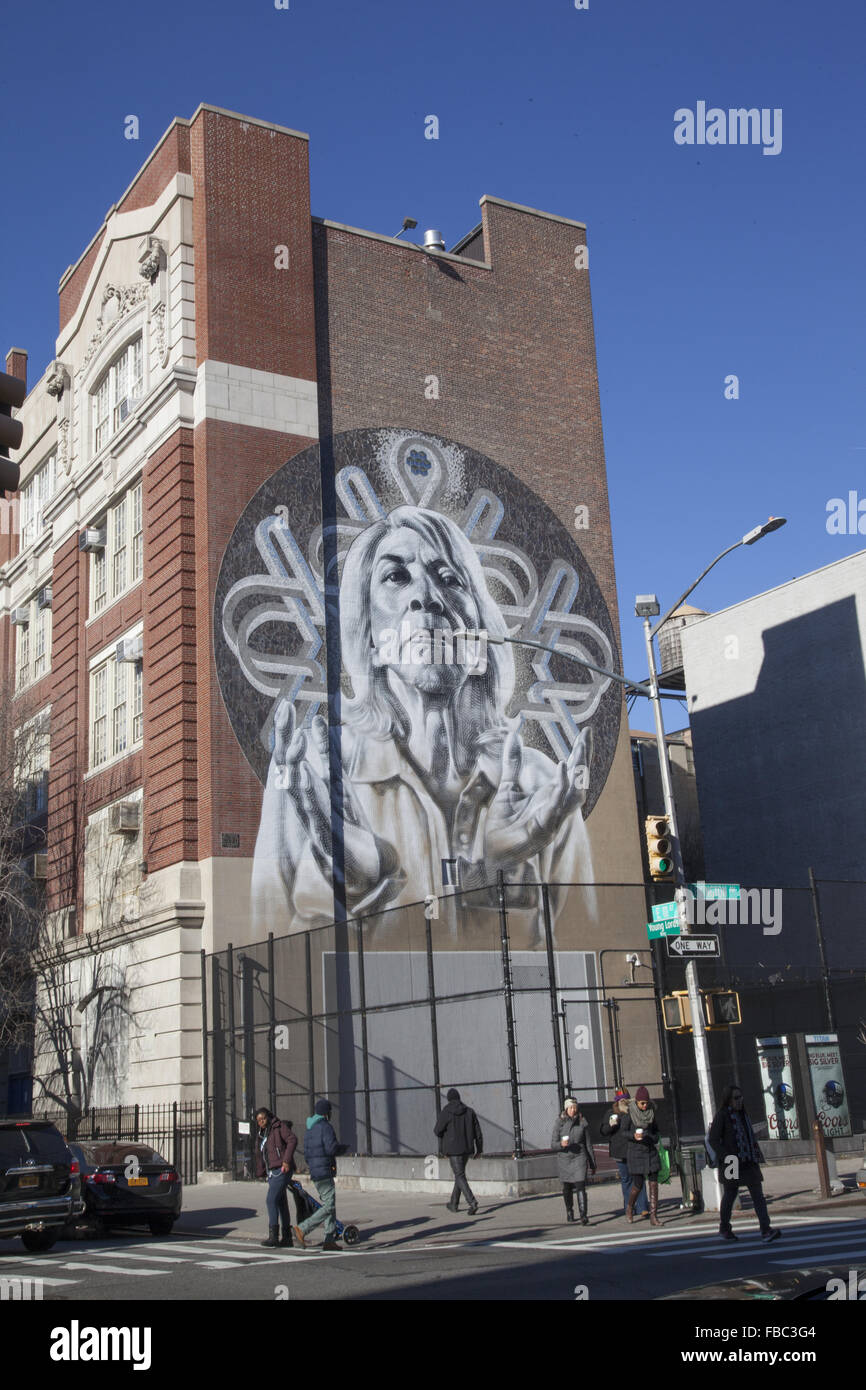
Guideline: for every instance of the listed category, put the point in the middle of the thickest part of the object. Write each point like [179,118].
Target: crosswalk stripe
[114,1269]
[795,1242]
[138,1255]
[213,1247]
[794,1252]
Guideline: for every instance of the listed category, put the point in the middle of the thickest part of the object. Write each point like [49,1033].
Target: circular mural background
[269,608]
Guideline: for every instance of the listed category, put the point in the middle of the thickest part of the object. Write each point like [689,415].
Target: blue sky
[704,260]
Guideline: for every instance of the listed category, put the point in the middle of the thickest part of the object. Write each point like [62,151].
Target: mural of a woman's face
[413,583]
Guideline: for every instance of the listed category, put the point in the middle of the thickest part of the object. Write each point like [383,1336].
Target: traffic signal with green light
[658,843]
[12,393]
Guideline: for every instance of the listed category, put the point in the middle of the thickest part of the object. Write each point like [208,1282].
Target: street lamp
[647,607]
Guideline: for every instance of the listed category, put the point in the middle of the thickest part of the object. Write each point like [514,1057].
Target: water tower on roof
[671,646]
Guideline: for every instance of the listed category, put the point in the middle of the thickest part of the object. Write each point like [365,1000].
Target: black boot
[581,1205]
[286,1237]
[568,1198]
[273,1237]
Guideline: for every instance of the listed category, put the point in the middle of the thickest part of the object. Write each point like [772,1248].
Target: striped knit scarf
[747,1148]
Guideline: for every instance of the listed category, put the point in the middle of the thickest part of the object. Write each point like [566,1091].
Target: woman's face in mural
[414,587]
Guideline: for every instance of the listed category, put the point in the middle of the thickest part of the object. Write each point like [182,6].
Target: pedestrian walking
[615,1130]
[574,1156]
[732,1143]
[459,1135]
[320,1150]
[642,1156]
[275,1162]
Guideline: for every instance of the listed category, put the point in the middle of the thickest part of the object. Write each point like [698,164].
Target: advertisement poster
[828,1087]
[780,1103]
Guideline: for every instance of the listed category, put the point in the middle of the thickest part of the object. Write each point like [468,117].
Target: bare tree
[23,754]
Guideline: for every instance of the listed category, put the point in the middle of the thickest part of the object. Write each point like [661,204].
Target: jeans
[750,1174]
[327,1211]
[458,1168]
[278,1201]
[641,1205]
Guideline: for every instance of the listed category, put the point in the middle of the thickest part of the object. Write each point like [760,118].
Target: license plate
[29,1181]
[137,1182]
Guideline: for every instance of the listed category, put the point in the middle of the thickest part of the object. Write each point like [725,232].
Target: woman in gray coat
[574,1150]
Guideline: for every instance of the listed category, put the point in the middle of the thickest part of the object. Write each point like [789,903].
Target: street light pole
[699,1032]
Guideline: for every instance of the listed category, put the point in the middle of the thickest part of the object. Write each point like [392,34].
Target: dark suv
[40,1185]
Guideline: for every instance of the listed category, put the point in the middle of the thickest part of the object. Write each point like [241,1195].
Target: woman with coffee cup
[616,1131]
[575,1154]
[643,1155]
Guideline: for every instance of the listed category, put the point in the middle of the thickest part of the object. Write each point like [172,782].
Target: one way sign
[693,945]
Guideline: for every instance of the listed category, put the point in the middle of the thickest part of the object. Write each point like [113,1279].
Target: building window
[98,705]
[32,748]
[113,397]
[137,703]
[33,645]
[35,496]
[116,709]
[122,558]
[23,644]
[137,535]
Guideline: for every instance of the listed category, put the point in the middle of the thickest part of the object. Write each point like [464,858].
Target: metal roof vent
[433,240]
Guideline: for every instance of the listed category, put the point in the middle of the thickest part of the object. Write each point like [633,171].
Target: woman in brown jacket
[275,1147]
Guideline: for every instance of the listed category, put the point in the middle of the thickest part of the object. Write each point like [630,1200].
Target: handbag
[664,1165]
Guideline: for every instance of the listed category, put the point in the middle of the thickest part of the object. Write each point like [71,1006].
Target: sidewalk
[402,1218]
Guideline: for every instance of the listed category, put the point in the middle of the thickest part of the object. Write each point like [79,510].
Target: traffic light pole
[699,1035]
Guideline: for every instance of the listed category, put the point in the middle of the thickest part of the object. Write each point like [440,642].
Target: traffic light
[676,1012]
[658,843]
[12,393]
[722,1007]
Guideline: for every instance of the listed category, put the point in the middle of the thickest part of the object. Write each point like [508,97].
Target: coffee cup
[614,1119]
[638,1134]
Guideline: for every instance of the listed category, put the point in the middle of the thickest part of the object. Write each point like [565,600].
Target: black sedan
[128,1185]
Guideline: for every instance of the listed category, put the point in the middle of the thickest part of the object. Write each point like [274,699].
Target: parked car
[128,1184]
[807,1284]
[40,1186]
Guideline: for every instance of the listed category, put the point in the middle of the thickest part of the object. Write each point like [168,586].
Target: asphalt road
[632,1265]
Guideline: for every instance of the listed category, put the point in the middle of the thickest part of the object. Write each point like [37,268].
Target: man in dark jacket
[737,1153]
[274,1160]
[460,1137]
[320,1151]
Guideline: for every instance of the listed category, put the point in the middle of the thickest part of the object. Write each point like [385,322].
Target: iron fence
[176,1130]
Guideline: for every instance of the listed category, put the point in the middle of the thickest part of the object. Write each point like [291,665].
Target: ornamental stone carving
[150,258]
[117,300]
[58,379]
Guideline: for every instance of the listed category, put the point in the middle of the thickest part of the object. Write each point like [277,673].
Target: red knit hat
[642,1093]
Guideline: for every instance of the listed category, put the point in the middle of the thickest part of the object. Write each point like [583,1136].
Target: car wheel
[39,1240]
[161,1228]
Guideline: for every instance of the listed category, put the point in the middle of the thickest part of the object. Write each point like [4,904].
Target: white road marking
[115,1269]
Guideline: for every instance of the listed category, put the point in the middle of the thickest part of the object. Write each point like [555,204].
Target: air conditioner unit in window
[91,540]
[21,617]
[130,648]
[124,818]
[40,866]
[43,598]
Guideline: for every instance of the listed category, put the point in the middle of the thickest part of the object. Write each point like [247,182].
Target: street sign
[694,946]
[665,912]
[656,929]
[714,890]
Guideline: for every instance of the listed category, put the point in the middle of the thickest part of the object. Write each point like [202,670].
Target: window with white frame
[33,644]
[36,493]
[112,400]
[32,748]
[120,565]
[116,708]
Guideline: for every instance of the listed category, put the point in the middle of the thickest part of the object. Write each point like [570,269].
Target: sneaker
[331,1244]
[473,1209]
[728,1235]
[770,1235]
[299,1236]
